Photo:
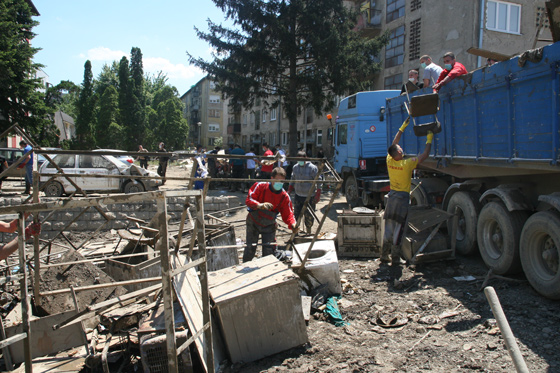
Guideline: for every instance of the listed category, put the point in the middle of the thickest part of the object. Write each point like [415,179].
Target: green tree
[137,132]
[297,53]
[167,122]
[107,77]
[109,133]
[85,120]
[20,102]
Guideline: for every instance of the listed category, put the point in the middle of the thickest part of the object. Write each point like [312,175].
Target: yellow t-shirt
[400,173]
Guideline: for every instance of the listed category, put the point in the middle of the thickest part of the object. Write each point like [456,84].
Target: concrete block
[258,307]
[321,265]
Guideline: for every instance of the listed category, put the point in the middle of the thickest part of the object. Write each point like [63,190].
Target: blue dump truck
[496,161]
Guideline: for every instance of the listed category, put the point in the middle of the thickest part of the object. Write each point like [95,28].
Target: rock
[467,347]
[491,346]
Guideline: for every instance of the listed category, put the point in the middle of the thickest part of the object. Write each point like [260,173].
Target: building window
[244,121]
[541,19]
[414,40]
[273,114]
[211,141]
[415,5]
[212,85]
[394,51]
[504,17]
[213,128]
[214,113]
[214,99]
[264,116]
[395,9]
[319,137]
[284,138]
[393,82]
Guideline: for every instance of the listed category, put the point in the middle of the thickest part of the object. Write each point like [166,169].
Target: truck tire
[351,191]
[498,233]
[469,209]
[540,250]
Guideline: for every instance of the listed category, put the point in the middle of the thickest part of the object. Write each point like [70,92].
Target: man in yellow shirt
[396,209]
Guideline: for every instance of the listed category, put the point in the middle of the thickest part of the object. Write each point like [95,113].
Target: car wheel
[53,189]
[132,187]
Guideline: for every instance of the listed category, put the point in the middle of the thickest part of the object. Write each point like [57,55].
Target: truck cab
[361,146]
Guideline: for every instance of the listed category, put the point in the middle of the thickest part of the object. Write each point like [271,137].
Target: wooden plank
[189,293]
[11,340]
[44,340]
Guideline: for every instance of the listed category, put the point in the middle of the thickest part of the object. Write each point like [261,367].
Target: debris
[306,305]
[419,341]
[391,320]
[334,313]
[464,278]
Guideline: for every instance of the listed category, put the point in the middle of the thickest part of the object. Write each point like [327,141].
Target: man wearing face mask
[265,201]
[412,77]
[304,170]
[452,70]
[431,71]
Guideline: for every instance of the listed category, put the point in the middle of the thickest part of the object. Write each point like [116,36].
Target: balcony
[369,21]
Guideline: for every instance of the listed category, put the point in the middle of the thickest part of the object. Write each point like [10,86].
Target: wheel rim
[52,189]
[352,191]
[134,188]
[494,239]
[546,255]
[461,226]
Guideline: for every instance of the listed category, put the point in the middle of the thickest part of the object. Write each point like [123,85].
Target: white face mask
[411,79]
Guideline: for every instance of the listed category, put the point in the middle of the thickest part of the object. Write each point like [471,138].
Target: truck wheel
[469,209]
[53,189]
[540,250]
[351,192]
[498,233]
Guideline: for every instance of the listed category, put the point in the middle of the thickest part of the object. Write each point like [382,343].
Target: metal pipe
[509,339]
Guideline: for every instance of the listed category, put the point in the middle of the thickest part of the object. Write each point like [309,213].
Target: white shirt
[250,161]
[432,71]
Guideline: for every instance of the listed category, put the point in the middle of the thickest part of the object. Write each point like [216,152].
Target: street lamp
[199,124]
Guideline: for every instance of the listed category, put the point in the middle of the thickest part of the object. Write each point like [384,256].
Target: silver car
[95,165]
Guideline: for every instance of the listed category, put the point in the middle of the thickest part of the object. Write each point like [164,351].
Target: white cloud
[103,54]
[176,71]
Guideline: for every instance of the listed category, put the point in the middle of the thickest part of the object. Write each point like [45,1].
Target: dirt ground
[438,322]
[441,324]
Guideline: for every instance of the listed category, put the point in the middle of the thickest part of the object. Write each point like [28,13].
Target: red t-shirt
[456,70]
[263,192]
[268,168]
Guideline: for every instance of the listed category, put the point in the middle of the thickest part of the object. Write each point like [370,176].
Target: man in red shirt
[266,166]
[452,70]
[265,201]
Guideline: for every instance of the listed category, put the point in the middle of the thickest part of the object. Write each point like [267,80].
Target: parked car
[95,164]
[12,155]
[125,158]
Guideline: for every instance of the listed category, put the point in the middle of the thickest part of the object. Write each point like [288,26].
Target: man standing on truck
[396,209]
[452,70]
[431,71]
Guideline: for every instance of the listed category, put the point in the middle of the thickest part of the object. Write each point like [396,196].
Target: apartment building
[204,110]
[416,27]
[433,27]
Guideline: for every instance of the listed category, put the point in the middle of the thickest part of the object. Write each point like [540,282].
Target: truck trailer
[496,161]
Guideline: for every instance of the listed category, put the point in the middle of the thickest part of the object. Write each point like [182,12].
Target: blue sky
[73,31]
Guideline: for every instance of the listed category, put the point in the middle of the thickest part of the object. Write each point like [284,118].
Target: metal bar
[77,306]
[11,340]
[6,354]
[102,286]
[25,302]
[189,341]
[206,316]
[426,242]
[167,286]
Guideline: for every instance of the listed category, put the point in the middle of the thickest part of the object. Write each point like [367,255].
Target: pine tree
[138,100]
[109,133]
[85,121]
[298,53]
[20,101]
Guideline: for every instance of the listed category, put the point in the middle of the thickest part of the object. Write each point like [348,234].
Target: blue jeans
[29,174]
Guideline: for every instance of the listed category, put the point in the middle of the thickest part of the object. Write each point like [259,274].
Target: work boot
[385,250]
[395,255]
[308,230]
